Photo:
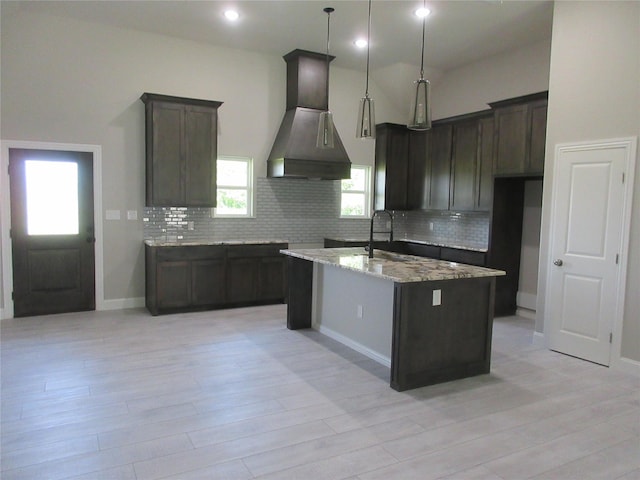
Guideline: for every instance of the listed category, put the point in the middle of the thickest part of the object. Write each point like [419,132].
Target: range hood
[294,152]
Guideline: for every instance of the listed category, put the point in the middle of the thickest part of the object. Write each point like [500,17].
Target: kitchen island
[430,321]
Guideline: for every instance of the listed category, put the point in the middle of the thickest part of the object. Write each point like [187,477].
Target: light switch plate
[437,298]
[132,214]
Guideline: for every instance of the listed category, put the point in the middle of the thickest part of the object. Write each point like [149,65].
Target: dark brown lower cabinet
[183,278]
[208,282]
[242,278]
[173,284]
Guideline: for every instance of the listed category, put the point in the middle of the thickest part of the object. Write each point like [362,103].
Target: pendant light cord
[328,10]
[424,5]
[366,90]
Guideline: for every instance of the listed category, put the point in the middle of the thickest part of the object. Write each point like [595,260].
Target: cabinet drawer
[247,251]
[191,252]
[463,256]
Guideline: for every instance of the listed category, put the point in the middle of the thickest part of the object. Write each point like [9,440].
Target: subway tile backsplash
[305,212]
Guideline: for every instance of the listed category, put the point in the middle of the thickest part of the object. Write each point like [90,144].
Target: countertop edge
[332,257]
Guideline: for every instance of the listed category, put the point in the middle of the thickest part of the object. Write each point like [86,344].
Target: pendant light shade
[366,118]
[325,123]
[366,113]
[325,130]
[420,112]
[420,115]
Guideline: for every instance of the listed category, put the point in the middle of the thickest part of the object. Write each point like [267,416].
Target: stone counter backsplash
[307,211]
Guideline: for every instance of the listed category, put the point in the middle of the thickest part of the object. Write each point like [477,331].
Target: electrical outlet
[431,226]
[359,311]
[190,225]
[437,298]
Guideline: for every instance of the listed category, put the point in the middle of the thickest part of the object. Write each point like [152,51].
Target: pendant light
[366,113]
[325,124]
[420,114]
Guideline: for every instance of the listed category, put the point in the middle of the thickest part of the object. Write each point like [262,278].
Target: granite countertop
[180,243]
[434,243]
[397,267]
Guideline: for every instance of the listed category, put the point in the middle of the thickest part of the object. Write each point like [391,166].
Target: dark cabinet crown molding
[519,100]
[156,97]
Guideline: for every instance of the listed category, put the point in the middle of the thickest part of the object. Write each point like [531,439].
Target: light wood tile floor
[233,394]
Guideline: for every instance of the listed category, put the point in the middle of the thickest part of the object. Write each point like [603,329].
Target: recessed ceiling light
[360,43]
[231,15]
[422,12]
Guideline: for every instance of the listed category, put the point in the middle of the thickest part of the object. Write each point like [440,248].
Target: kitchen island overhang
[441,313]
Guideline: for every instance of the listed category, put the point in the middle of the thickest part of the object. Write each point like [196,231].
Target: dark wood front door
[52,231]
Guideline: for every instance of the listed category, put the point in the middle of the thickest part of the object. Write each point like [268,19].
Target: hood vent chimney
[294,152]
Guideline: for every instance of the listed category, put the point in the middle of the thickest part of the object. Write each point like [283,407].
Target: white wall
[594,94]
[530,250]
[471,87]
[70,81]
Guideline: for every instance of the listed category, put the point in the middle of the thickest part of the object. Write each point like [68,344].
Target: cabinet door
[201,151]
[242,279]
[173,284]
[463,256]
[538,137]
[418,186]
[392,150]
[463,165]
[484,189]
[511,139]
[440,158]
[208,282]
[272,281]
[165,165]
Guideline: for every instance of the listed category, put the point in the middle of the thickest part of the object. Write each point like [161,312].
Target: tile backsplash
[305,212]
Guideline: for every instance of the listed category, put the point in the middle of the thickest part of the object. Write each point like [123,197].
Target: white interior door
[586,246]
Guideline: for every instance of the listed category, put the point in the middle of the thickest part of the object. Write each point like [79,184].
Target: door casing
[5,216]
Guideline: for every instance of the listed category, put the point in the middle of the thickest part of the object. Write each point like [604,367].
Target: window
[355,196]
[52,197]
[234,187]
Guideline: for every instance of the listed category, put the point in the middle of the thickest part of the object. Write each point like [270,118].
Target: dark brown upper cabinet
[439,147]
[181,151]
[472,163]
[520,134]
[391,167]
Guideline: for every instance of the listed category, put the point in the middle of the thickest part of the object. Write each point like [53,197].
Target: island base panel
[434,344]
[300,293]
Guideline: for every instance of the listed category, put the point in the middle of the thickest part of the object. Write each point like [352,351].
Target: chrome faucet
[371,232]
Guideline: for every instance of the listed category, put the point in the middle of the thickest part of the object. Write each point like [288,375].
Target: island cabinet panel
[299,293]
[183,278]
[433,344]
[520,135]
[181,150]
[391,167]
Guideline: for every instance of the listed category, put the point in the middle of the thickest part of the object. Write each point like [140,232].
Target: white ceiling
[458,31]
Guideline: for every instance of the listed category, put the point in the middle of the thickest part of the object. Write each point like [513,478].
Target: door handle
[558,263]
[91,240]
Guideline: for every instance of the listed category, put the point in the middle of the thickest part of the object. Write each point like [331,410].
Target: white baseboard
[538,339]
[526,300]
[122,303]
[526,313]
[358,347]
[626,365]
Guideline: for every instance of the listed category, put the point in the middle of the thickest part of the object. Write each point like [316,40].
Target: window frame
[249,188]
[367,193]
